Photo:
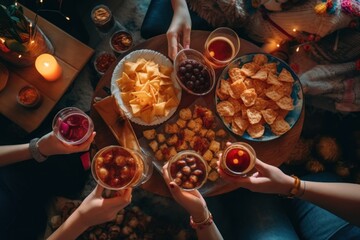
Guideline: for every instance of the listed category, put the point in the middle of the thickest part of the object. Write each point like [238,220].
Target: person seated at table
[30,175]
[318,38]
[94,210]
[321,208]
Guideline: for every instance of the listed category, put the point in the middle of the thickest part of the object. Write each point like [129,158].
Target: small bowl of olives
[193,73]
[188,170]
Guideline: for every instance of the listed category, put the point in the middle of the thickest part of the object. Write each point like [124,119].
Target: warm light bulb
[46,64]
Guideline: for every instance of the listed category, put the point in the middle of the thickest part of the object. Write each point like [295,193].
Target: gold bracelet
[200,225]
[295,190]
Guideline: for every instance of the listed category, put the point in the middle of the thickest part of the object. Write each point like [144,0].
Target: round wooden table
[273,152]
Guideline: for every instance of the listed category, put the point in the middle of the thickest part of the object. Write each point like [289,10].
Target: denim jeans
[243,214]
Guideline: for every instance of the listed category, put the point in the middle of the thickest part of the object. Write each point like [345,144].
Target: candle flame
[236,161]
[32,41]
[19,56]
[67,18]
[278,45]
[46,64]
[297,49]
[16,3]
[2,40]
[294,30]
[30,24]
[41,1]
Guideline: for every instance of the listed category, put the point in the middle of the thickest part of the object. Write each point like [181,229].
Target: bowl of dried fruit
[121,41]
[193,73]
[103,61]
[29,97]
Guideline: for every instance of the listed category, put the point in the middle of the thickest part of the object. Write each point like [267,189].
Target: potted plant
[21,40]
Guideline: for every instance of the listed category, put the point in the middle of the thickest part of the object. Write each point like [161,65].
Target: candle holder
[26,41]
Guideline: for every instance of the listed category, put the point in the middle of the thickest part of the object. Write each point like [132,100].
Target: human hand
[192,201]
[267,179]
[95,209]
[179,29]
[49,145]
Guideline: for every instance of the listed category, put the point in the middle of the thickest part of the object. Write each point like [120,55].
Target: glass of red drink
[72,126]
[221,47]
[238,159]
[116,168]
[188,169]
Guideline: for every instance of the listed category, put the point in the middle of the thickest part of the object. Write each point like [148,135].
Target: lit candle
[48,67]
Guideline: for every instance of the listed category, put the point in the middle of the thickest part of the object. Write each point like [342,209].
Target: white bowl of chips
[259,97]
[145,88]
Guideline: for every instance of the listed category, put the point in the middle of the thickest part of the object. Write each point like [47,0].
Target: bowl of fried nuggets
[145,88]
[259,97]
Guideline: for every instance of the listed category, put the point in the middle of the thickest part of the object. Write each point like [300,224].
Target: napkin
[117,122]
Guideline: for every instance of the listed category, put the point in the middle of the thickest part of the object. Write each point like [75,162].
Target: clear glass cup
[193,73]
[238,159]
[188,169]
[102,17]
[72,126]
[121,41]
[115,168]
[221,47]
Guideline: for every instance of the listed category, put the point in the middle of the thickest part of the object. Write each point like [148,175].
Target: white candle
[48,67]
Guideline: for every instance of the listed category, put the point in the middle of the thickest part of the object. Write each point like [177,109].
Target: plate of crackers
[259,97]
[145,87]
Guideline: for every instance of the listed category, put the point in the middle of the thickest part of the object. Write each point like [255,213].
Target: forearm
[70,229]
[178,4]
[342,199]
[210,232]
[14,153]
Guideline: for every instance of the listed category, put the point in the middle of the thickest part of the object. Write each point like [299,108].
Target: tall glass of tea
[221,46]
[238,159]
[115,168]
[72,126]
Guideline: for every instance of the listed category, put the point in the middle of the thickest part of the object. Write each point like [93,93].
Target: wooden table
[274,152]
[71,54]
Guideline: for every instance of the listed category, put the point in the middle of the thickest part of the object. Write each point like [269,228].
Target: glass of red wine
[221,47]
[238,159]
[72,126]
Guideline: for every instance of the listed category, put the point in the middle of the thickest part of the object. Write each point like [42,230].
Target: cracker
[249,97]
[256,130]
[285,103]
[225,108]
[280,126]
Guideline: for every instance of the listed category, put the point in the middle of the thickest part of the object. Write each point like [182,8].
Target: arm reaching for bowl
[180,28]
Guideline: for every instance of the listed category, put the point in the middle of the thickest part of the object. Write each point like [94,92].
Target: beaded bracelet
[200,225]
[34,150]
[295,190]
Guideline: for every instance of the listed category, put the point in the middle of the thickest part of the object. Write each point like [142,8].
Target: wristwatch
[34,150]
